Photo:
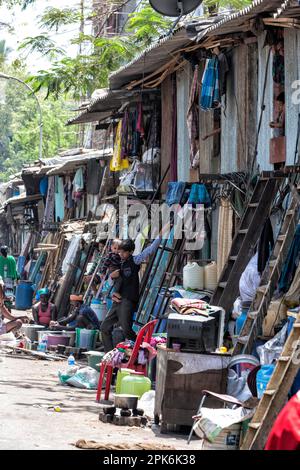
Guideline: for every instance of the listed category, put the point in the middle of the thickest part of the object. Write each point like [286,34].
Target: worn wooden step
[243,231]
[243,339]
[284,358]
[223,285]
[290,213]
[262,289]
[269,392]
[253,204]
[253,315]
[281,238]
[254,425]
[233,258]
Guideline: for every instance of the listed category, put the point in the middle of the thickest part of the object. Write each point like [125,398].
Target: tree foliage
[19,125]
[55,18]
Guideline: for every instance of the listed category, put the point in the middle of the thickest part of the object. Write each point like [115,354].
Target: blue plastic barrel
[263,378]
[24,295]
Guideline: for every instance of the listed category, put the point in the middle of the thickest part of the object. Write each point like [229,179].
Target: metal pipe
[10,77]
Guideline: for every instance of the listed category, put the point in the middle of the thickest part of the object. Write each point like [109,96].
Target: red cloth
[285,434]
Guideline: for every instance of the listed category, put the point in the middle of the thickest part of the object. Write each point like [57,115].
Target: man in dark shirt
[127,298]
[82,316]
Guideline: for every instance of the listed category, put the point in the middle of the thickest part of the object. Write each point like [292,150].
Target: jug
[135,384]
[193,276]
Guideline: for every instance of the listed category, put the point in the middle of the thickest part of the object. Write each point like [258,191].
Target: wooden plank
[275,396]
[166,126]
[270,276]
[231,274]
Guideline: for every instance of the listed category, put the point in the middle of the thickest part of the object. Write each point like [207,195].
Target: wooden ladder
[276,393]
[270,277]
[251,226]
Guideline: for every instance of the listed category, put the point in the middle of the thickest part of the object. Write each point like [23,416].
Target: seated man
[44,311]
[15,323]
[81,316]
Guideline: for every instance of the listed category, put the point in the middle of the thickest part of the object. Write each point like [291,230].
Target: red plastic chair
[144,335]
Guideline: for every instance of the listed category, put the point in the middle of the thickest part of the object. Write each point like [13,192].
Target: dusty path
[28,391]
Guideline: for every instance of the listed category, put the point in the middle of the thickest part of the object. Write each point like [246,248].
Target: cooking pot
[126,402]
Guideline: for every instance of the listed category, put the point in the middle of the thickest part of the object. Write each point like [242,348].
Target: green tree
[19,126]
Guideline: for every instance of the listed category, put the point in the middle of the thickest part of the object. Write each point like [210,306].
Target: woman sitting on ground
[44,311]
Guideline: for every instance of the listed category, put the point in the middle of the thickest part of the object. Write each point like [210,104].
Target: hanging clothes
[175,193]
[68,193]
[225,230]
[278,70]
[210,92]
[140,120]
[50,204]
[265,246]
[78,182]
[193,116]
[94,176]
[59,199]
[117,162]
[291,263]
[44,186]
[199,195]
[223,71]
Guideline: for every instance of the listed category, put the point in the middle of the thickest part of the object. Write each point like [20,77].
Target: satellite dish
[175,7]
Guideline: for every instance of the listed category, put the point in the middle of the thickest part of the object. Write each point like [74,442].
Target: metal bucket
[32,331]
[243,362]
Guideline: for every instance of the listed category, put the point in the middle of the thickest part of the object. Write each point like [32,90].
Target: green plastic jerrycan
[135,384]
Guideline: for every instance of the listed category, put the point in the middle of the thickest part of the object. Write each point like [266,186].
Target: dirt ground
[29,391]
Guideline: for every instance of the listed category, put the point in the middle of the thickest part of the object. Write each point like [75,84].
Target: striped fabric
[210,93]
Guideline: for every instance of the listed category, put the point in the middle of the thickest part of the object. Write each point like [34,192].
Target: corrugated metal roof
[236,21]
[77,162]
[58,162]
[102,107]
[22,199]
[156,55]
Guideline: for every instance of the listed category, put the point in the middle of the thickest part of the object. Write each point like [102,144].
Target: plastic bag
[86,378]
[147,403]
[250,280]
[151,156]
[237,387]
[237,308]
[271,351]
[65,375]
[146,178]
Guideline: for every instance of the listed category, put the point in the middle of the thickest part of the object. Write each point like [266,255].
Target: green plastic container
[120,376]
[95,358]
[86,339]
[135,384]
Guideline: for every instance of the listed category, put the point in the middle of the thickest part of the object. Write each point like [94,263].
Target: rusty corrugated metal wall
[292,73]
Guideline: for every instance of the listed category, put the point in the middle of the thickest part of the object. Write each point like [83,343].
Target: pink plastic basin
[54,340]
